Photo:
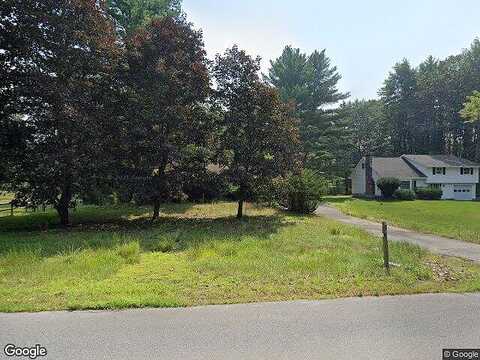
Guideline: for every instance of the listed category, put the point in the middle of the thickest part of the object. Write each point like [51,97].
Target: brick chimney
[369,183]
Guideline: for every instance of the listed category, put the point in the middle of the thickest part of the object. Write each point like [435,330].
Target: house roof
[439,160]
[395,167]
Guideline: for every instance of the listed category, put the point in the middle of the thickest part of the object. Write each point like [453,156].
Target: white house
[455,176]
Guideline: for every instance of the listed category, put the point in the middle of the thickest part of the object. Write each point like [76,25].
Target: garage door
[462,192]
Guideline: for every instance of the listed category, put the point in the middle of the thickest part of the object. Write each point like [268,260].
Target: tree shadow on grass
[86,216]
[168,234]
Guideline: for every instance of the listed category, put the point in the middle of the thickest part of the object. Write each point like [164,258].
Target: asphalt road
[402,327]
[434,243]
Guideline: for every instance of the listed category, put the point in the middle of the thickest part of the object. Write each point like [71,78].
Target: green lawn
[5,199]
[454,219]
[200,254]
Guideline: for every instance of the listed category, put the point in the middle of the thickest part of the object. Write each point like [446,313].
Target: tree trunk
[240,209]
[63,213]
[63,205]
[156,209]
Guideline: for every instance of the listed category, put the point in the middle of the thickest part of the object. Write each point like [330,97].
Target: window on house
[439,171]
[436,186]
[405,185]
[363,165]
[466,171]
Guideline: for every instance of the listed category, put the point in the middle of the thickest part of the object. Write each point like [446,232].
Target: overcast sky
[364,39]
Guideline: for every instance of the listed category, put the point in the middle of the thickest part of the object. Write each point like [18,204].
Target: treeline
[118,97]
[429,109]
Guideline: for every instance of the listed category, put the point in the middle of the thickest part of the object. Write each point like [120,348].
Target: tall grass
[201,254]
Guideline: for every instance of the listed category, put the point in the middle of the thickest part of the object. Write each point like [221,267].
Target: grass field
[5,199]
[454,219]
[200,254]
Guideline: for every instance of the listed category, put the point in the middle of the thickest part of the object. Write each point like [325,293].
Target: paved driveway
[434,243]
[402,327]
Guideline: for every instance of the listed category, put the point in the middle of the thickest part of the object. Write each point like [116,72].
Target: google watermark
[32,352]
[461,354]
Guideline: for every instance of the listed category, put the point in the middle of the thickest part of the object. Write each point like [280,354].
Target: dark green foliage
[206,187]
[259,135]
[388,186]
[167,126]
[369,130]
[398,95]
[423,105]
[404,194]
[57,64]
[301,193]
[310,82]
[429,193]
[131,14]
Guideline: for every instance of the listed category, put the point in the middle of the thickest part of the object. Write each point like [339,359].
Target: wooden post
[386,261]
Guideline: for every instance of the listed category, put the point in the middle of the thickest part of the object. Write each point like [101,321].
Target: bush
[429,193]
[404,194]
[302,193]
[388,186]
[208,187]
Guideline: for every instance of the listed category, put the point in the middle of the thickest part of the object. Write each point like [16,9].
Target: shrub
[302,193]
[207,187]
[429,193]
[388,186]
[404,194]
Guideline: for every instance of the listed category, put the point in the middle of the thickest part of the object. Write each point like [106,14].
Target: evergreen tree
[310,83]
[131,14]
[369,128]
[399,97]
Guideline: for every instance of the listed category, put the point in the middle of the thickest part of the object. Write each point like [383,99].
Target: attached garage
[463,192]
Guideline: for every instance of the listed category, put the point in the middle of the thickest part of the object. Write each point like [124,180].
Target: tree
[57,59]
[388,186]
[369,129]
[471,113]
[308,80]
[423,105]
[131,14]
[430,124]
[166,118]
[310,83]
[399,97]
[259,133]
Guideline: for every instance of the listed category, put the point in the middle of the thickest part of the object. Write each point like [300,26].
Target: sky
[364,39]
